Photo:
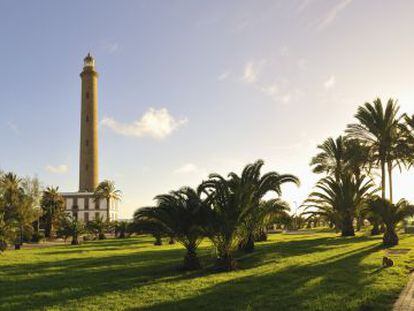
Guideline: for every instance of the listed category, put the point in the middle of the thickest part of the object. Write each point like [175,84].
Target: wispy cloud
[252,70]
[59,169]
[278,90]
[110,47]
[154,123]
[332,14]
[330,83]
[223,76]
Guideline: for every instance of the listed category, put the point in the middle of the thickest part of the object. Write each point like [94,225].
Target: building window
[97,204]
[75,204]
[86,203]
[86,216]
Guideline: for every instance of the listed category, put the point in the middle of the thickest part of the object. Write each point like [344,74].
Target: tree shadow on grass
[55,283]
[337,283]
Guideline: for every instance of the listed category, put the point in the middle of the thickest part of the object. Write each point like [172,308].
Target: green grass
[289,272]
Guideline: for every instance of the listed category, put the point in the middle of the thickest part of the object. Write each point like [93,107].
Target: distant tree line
[29,213]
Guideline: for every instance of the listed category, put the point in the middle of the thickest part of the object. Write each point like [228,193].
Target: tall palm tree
[378,128]
[107,190]
[343,197]
[331,157]
[339,155]
[409,136]
[391,215]
[181,214]
[53,206]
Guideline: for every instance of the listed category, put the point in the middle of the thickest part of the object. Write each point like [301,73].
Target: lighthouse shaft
[88,168]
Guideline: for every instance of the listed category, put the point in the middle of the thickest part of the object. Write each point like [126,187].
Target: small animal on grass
[387,262]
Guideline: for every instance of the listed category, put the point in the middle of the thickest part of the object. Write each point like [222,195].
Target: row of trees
[230,211]
[381,140]
[26,209]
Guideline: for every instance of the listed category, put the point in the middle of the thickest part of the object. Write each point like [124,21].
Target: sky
[188,88]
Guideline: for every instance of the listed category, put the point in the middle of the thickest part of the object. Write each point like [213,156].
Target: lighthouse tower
[88,164]
[83,204]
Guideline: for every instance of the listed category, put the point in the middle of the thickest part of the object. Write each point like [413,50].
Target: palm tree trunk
[390,237]
[191,261]
[248,246]
[383,179]
[107,209]
[390,180]
[347,228]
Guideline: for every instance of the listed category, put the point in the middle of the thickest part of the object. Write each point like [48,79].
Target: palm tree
[7,233]
[391,215]
[107,190]
[379,129]
[146,225]
[181,214]
[233,200]
[323,212]
[71,227]
[342,197]
[99,226]
[339,155]
[255,188]
[121,229]
[13,204]
[331,157]
[256,223]
[408,129]
[12,195]
[53,206]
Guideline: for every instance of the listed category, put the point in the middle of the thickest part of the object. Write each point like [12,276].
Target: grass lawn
[316,271]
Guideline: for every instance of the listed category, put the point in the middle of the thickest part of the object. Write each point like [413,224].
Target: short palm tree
[378,128]
[233,200]
[12,195]
[256,223]
[121,229]
[53,206]
[342,197]
[254,187]
[106,190]
[181,214]
[323,212]
[7,233]
[391,215]
[71,227]
[99,226]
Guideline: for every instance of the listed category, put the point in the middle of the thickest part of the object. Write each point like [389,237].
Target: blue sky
[192,87]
